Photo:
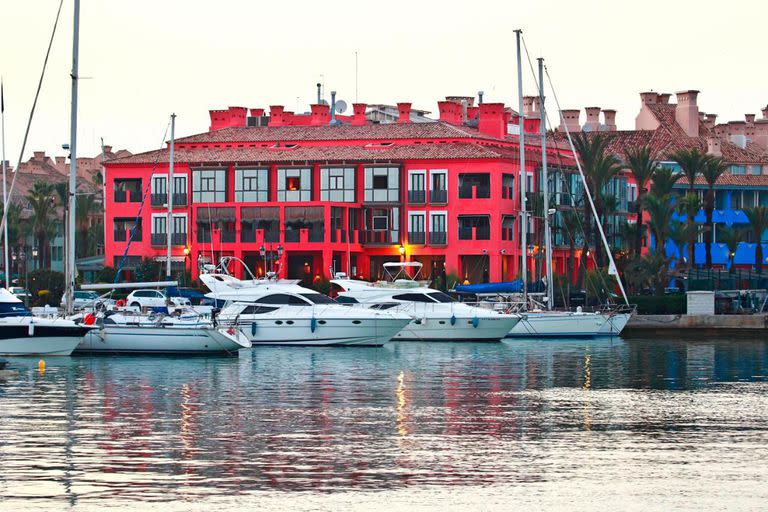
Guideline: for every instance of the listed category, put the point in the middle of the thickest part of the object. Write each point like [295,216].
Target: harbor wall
[642,325]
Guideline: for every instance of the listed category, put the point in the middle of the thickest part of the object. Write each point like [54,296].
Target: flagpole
[5,195]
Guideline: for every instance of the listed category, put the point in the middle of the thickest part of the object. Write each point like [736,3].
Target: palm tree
[712,171]
[651,268]
[664,181]
[692,162]
[642,166]
[689,206]
[660,211]
[731,238]
[570,227]
[86,206]
[599,167]
[42,203]
[758,222]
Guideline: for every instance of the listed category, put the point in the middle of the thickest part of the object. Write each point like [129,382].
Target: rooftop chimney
[710,120]
[737,133]
[663,98]
[480,97]
[528,106]
[648,98]
[609,116]
[358,117]
[570,119]
[492,120]
[319,93]
[687,112]
[760,136]
[319,115]
[713,146]
[750,118]
[450,112]
[765,112]
[107,149]
[593,119]
[38,155]
[276,115]
[404,113]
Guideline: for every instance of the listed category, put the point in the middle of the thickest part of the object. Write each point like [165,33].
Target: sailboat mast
[169,222]
[545,179]
[523,214]
[5,195]
[70,273]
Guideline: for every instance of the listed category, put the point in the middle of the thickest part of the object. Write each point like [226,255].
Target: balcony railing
[180,199]
[158,239]
[203,236]
[315,235]
[417,196]
[159,199]
[477,233]
[378,237]
[121,196]
[227,237]
[438,196]
[438,238]
[417,237]
[179,239]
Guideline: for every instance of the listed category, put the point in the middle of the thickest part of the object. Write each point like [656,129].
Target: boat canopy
[482,288]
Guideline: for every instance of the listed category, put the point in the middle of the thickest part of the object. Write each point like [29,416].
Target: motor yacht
[22,334]
[435,316]
[275,311]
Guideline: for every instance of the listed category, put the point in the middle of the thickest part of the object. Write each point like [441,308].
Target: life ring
[89,319]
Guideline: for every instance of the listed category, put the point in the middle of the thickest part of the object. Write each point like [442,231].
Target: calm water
[567,425]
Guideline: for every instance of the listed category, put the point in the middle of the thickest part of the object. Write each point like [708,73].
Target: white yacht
[280,312]
[435,315]
[126,332]
[22,334]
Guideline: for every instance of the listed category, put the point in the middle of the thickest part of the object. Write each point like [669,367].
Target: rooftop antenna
[319,93]
[480,97]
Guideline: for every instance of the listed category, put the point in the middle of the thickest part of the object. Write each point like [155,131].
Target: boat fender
[253,328]
[31,329]
[475,322]
[313,324]
[89,319]
[453,319]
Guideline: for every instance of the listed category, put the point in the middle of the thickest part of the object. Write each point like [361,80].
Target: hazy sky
[144,59]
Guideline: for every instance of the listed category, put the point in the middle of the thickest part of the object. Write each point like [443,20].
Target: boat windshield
[13,309]
[441,297]
[318,298]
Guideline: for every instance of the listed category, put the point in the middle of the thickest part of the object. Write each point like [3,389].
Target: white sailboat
[548,323]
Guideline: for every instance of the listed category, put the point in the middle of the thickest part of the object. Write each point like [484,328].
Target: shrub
[48,281]
[659,305]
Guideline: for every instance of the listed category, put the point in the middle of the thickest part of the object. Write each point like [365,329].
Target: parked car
[86,299]
[194,295]
[20,292]
[153,299]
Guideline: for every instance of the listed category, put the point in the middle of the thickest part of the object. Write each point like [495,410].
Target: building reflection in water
[313,419]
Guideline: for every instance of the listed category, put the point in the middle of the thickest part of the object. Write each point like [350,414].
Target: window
[257,310]
[440,297]
[736,200]
[507,227]
[380,223]
[507,186]
[416,228]
[337,184]
[480,225]
[127,190]
[318,298]
[756,169]
[160,184]
[158,224]
[310,218]
[209,186]
[283,299]
[413,297]
[264,218]
[417,187]
[382,184]
[437,228]
[480,182]
[438,191]
[738,169]
[251,185]
[123,227]
[294,184]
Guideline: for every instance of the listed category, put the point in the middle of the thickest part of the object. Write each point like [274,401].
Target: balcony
[179,239]
[438,196]
[159,239]
[227,237]
[417,196]
[159,199]
[438,238]
[304,234]
[180,199]
[417,237]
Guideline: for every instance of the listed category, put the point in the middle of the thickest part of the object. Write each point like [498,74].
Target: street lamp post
[279,258]
[23,258]
[263,253]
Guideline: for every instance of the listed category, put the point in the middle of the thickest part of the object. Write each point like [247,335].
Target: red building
[337,192]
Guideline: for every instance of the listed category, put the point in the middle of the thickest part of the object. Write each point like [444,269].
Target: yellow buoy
[41,366]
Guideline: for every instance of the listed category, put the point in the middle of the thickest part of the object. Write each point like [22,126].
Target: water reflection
[97,431]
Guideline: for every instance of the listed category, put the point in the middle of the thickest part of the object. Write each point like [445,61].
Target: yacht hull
[45,340]
[327,332]
[569,325]
[119,339]
[489,329]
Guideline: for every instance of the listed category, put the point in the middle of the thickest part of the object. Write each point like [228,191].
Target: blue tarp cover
[506,287]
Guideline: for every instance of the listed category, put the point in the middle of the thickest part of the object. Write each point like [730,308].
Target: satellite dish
[341,106]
